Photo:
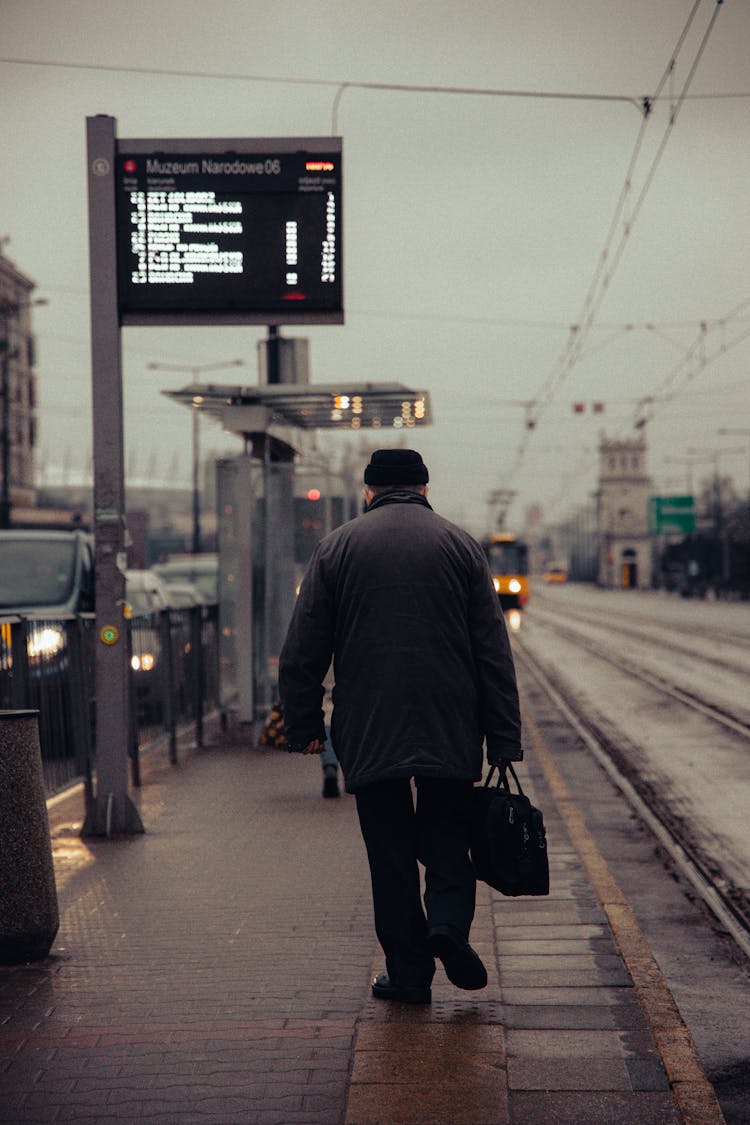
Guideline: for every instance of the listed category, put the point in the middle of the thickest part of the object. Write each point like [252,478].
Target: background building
[624,489]
[18,397]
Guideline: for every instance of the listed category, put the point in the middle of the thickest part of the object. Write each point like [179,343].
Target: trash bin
[29,917]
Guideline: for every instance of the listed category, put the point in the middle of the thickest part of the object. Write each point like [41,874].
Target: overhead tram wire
[596,291]
[615,327]
[695,359]
[456,318]
[584,464]
[338,83]
[574,339]
[571,352]
[341,85]
[646,406]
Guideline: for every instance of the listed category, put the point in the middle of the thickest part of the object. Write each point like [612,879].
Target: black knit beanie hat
[396,466]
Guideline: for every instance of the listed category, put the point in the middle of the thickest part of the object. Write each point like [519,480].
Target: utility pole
[196,370]
[720,535]
[688,462]
[739,432]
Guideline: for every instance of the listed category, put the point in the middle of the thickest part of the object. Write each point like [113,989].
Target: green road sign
[671,514]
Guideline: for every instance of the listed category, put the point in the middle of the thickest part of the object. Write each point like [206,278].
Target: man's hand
[314,747]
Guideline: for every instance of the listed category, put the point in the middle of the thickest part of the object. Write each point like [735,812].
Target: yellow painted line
[56,799]
[695,1096]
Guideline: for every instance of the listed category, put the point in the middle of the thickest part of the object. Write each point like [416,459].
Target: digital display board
[248,234]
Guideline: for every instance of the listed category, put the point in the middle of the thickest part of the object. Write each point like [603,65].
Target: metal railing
[48,664]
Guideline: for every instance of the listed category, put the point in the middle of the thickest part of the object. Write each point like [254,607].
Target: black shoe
[331,786]
[384,990]
[463,965]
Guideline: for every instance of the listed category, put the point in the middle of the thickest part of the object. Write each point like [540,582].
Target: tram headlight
[514,586]
[496,584]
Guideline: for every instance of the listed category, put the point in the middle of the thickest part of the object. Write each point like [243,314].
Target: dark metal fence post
[168,680]
[133,731]
[198,686]
[79,696]
[48,665]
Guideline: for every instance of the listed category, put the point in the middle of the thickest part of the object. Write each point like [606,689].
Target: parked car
[200,570]
[45,577]
[184,595]
[47,573]
[145,592]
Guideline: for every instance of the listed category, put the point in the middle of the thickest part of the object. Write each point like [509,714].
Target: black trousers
[397,835]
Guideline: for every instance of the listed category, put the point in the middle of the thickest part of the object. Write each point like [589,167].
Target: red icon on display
[130,166]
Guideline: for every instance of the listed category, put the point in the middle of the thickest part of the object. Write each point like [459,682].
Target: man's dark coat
[404,601]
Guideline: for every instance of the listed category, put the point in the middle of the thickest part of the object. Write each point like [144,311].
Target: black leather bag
[508,838]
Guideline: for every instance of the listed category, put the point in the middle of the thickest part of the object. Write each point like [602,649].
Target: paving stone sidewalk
[558,1036]
[211,970]
[216,969]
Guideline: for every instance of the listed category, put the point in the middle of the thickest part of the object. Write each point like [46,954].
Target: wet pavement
[217,968]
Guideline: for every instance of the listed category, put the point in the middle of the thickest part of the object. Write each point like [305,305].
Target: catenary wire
[600,281]
[599,284]
[339,84]
[583,466]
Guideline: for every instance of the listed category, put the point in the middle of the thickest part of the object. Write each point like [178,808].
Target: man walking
[403,602]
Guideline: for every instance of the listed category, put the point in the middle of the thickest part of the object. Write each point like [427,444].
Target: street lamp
[8,308]
[196,370]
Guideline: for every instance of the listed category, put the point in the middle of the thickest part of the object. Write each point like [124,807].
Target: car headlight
[45,642]
[143,662]
[514,586]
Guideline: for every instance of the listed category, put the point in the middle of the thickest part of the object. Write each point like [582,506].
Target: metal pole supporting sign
[109,811]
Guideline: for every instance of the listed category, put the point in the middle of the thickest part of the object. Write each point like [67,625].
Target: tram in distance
[508,557]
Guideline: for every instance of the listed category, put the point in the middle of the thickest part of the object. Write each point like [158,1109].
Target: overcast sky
[473,223]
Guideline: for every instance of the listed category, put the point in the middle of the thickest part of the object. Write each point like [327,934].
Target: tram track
[721,715]
[646,625]
[654,636]
[728,902]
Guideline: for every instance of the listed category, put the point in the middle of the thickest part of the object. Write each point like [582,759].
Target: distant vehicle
[48,573]
[44,574]
[201,571]
[145,592]
[183,595]
[508,558]
[555,572]
[146,595]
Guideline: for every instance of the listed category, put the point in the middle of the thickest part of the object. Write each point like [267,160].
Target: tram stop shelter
[250,410]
